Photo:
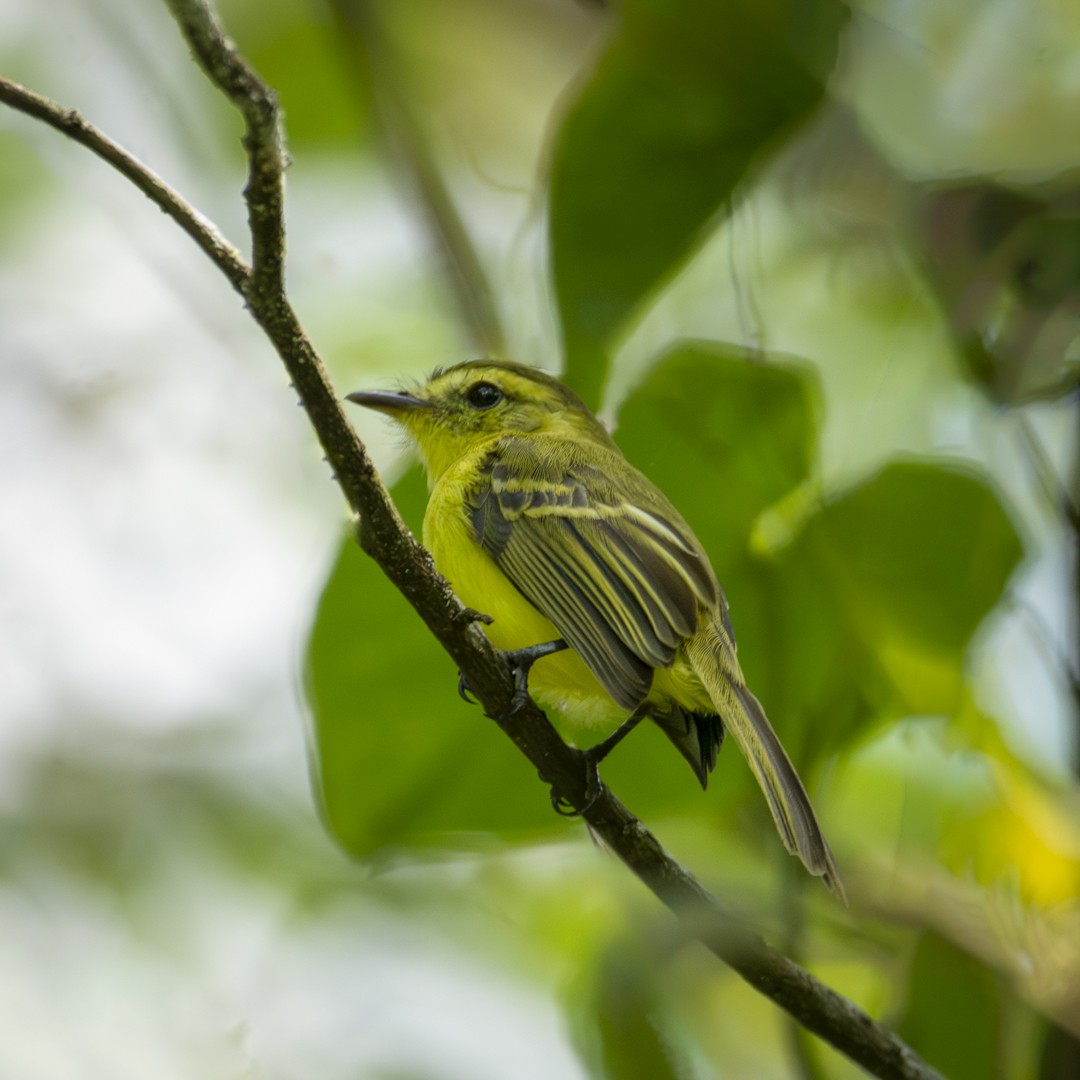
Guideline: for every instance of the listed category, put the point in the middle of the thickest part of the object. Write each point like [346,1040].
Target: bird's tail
[711,652]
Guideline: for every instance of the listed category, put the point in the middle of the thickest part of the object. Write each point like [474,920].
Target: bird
[593,582]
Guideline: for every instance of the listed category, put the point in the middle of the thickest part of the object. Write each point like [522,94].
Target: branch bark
[385,538]
[68,122]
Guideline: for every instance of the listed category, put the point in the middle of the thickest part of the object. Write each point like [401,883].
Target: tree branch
[68,122]
[385,538]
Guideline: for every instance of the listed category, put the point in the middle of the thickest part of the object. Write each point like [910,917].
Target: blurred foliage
[629,1005]
[819,261]
[856,607]
[23,182]
[301,56]
[1005,260]
[682,105]
[945,982]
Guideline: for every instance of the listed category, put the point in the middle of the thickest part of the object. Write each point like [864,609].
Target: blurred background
[818,265]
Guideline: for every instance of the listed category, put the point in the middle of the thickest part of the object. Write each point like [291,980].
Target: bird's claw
[463,689]
[517,702]
[593,787]
[471,615]
[521,662]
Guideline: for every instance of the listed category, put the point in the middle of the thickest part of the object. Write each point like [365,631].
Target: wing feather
[658,586]
[620,575]
[535,573]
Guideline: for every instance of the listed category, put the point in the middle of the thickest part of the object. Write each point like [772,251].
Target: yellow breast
[560,681]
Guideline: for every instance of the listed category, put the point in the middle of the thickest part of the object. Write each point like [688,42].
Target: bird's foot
[521,662]
[597,753]
[593,787]
[471,615]
[593,755]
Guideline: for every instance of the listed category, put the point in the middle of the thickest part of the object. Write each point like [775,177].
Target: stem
[1061,497]
[370,63]
[70,123]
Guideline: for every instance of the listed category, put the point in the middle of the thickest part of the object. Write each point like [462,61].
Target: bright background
[904,261]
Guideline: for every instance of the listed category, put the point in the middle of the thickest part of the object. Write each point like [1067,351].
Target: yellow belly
[560,681]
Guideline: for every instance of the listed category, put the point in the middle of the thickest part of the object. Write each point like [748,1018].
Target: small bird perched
[537,519]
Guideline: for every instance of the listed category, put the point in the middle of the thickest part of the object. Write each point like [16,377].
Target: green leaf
[883,592]
[725,434]
[401,759]
[689,96]
[920,552]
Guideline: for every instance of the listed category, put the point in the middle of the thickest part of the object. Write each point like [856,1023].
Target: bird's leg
[469,615]
[521,662]
[593,756]
[597,753]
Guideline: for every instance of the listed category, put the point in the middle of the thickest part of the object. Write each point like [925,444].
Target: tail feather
[712,655]
[697,736]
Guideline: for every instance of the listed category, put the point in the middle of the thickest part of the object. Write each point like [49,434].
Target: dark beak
[390,401]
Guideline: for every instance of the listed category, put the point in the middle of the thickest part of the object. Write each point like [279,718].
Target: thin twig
[386,539]
[1053,655]
[1061,501]
[257,103]
[369,62]
[1052,487]
[70,123]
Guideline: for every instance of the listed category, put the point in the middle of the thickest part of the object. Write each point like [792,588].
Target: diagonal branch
[68,122]
[258,104]
[386,539]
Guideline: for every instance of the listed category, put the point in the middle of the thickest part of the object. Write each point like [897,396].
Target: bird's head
[461,407]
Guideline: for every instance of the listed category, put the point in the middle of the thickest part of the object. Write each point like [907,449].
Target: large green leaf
[881,594]
[921,552]
[401,759]
[687,98]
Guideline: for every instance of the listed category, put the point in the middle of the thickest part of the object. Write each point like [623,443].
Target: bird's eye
[484,395]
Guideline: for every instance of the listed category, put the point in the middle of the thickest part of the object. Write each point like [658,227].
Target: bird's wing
[612,565]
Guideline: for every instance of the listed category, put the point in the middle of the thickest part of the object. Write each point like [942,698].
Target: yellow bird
[588,573]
